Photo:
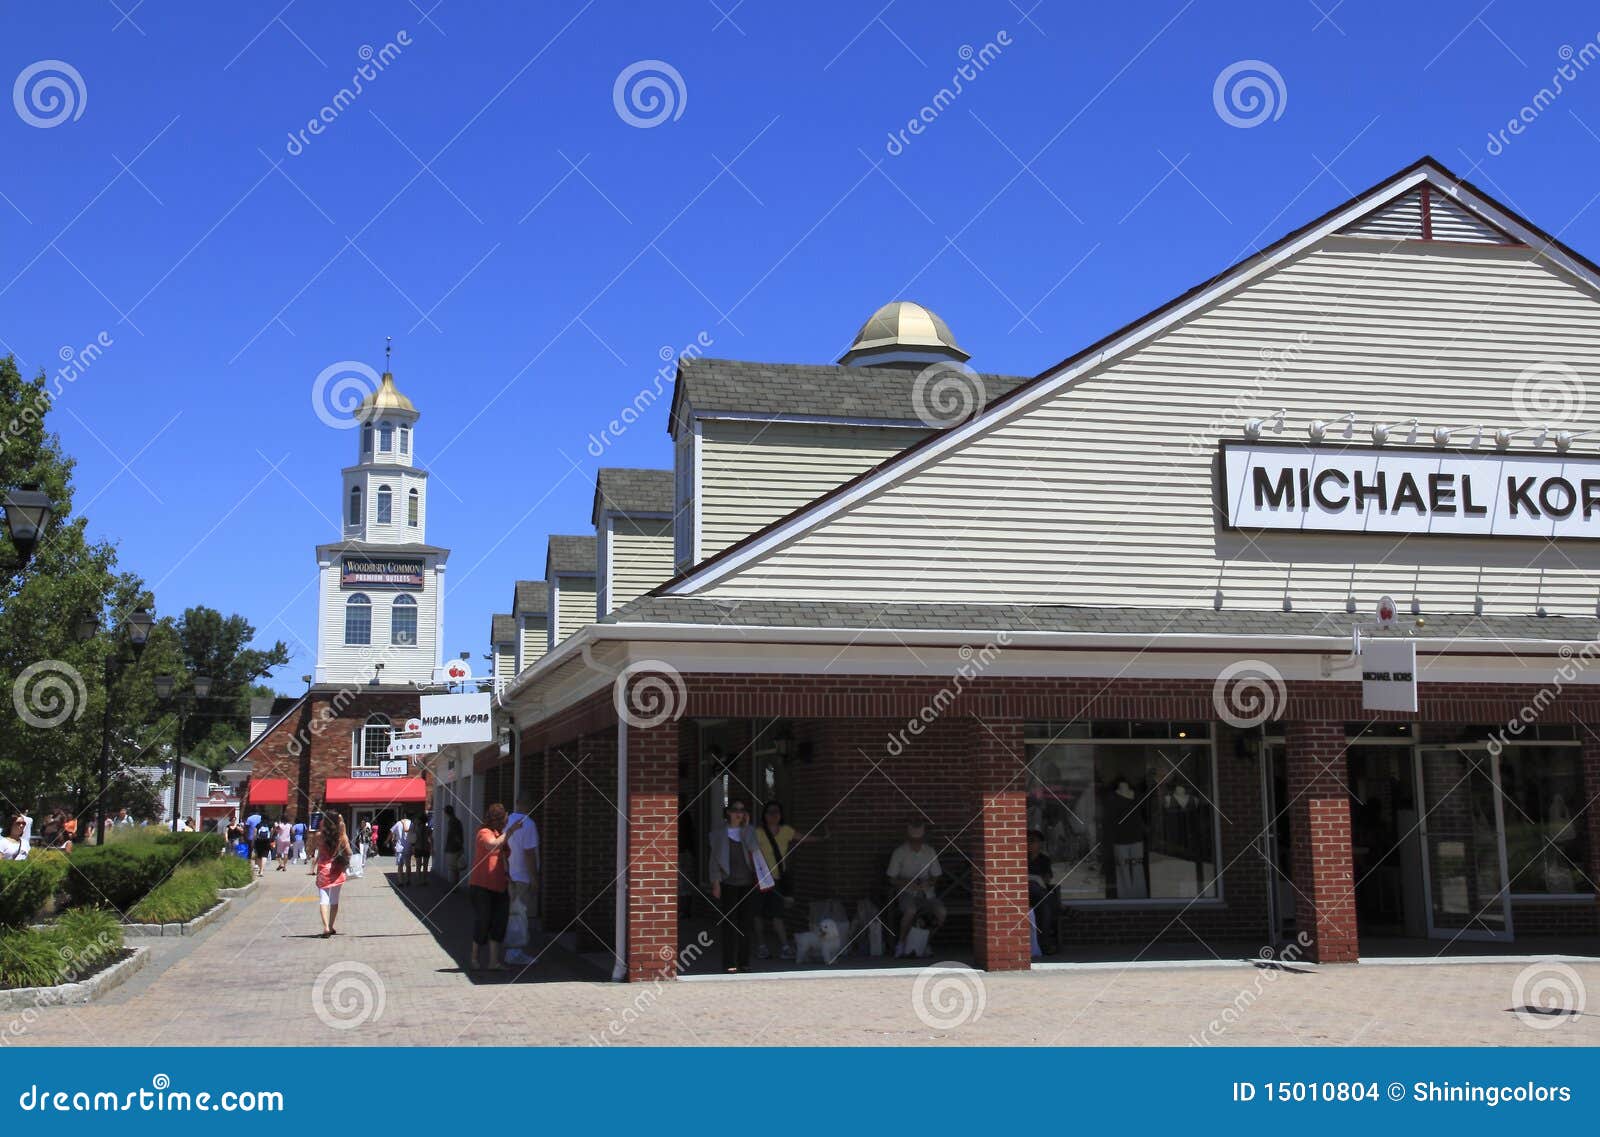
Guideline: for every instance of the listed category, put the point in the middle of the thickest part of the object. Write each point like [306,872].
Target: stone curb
[147,931]
[22,998]
[246,890]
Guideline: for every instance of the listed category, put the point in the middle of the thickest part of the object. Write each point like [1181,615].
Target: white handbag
[358,865]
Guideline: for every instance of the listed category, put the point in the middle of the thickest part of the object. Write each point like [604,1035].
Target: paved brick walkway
[395,977]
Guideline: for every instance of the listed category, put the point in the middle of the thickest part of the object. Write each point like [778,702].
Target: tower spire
[388,349]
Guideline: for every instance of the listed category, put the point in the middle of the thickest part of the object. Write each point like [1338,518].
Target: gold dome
[386,398]
[901,330]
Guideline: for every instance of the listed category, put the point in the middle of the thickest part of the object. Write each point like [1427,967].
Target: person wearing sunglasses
[733,881]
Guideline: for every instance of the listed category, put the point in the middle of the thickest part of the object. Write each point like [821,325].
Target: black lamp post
[28,511]
[201,685]
[134,633]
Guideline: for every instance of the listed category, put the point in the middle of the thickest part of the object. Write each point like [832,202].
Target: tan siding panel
[641,557]
[753,473]
[577,600]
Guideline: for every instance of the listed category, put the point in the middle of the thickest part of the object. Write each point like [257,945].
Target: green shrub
[190,891]
[118,875]
[73,948]
[193,844]
[232,872]
[25,886]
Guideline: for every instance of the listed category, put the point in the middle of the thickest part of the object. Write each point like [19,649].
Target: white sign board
[412,747]
[456,718]
[1389,675]
[1368,489]
[393,767]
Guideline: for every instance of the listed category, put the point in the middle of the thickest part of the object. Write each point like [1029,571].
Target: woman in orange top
[333,856]
[487,884]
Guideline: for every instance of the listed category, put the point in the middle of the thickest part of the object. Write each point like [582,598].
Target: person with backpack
[262,847]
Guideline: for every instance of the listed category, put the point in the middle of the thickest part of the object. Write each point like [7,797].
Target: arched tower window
[405,438]
[358,620]
[385,505]
[403,622]
[375,736]
[355,505]
[366,440]
[413,508]
[386,438]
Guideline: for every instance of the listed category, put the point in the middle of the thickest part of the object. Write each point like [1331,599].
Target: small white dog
[832,938]
[807,946]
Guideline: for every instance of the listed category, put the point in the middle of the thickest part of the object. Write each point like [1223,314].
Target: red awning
[269,791]
[375,791]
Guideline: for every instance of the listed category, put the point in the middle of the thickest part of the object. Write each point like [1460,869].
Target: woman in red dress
[333,857]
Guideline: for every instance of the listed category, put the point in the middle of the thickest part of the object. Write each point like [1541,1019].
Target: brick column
[1319,819]
[1000,879]
[652,852]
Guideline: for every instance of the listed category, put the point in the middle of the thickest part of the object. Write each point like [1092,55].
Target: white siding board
[641,557]
[754,473]
[1400,219]
[1103,494]
[576,604]
[1450,222]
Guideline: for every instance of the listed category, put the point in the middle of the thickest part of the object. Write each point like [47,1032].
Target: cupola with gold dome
[903,333]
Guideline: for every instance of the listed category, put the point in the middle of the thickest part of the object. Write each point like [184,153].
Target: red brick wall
[1000,885]
[312,743]
[1324,873]
[652,852]
[596,840]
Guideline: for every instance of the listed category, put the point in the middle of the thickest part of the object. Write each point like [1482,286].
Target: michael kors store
[1271,617]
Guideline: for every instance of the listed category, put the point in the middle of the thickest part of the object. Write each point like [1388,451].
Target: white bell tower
[381,610]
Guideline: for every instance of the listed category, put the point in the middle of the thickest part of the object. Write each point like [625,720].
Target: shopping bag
[358,865]
[517,925]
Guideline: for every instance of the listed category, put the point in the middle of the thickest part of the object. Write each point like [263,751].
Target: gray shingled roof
[530,598]
[632,491]
[502,629]
[808,389]
[572,555]
[1065,618]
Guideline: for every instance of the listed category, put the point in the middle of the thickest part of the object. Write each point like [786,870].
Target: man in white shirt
[400,838]
[524,865]
[913,871]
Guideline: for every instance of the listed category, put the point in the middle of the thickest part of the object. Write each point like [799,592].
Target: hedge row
[184,895]
[25,886]
[120,875]
[73,948]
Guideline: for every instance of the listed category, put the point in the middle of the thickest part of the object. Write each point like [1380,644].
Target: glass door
[1463,839]
[1275,844]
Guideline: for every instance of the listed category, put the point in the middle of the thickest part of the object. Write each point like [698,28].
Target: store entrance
[1385,831]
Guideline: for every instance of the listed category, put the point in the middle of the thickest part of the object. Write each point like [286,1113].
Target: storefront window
[1547,845]
[1125,808]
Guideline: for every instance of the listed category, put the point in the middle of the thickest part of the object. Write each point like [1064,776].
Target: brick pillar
[652,852]
[1319,820]
[1000,878]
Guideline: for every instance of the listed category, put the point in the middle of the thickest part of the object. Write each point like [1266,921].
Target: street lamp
[201,686]
[28,511]
[135,632]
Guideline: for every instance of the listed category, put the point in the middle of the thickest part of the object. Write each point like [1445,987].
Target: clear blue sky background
[229,273]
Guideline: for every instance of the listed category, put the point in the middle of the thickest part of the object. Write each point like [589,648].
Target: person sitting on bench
[913,871]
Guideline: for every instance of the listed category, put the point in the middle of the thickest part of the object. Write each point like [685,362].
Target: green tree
[218,646]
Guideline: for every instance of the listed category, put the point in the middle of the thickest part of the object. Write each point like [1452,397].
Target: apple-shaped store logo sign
[457,671]
[1386,611]
[413,726]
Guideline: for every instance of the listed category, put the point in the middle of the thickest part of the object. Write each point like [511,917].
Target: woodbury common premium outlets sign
[1367,489]
[380,572]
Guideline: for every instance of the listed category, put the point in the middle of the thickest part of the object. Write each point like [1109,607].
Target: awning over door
[376,791]
[269,791]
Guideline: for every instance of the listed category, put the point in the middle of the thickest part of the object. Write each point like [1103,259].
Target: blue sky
[484,202]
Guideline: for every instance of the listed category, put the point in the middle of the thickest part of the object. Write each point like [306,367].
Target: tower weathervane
[388,349]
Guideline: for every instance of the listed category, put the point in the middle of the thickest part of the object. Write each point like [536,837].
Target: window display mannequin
[1128,841]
